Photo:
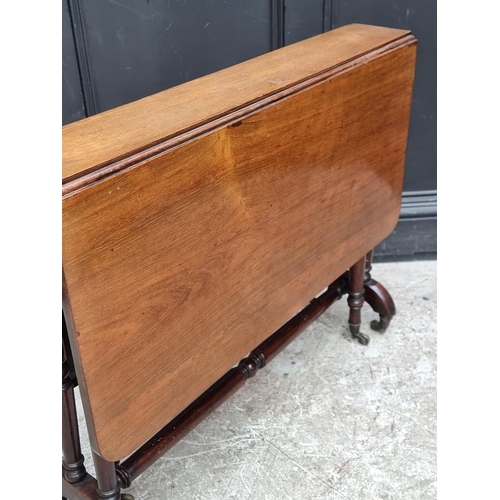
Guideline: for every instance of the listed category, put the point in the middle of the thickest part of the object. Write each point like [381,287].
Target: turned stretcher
[204,227]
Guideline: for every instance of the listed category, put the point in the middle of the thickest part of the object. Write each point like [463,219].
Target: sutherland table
[198,221]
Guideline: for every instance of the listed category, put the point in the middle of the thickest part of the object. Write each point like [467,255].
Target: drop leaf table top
[199,220]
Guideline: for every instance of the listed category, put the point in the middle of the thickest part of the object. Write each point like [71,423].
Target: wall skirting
[415,236]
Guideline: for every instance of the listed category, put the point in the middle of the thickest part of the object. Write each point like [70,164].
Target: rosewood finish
[155,123]
[198,221]
[135,465]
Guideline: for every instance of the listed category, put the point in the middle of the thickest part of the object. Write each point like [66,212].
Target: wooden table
[198,221]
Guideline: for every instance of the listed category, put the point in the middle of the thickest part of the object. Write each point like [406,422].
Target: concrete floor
[327,419]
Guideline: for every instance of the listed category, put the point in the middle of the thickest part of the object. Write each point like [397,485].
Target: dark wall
[420,17]
[72,97]
[117,51]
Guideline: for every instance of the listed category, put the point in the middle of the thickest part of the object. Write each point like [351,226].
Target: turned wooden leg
[379,299]
[74,470]
[355,300]
[107,483]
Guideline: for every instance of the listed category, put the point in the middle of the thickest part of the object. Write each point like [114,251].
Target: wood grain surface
[101,139]
[177,266]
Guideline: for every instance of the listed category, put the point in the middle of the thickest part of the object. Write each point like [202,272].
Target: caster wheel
[126,496]
[380,326]
[362,338]
[375,325]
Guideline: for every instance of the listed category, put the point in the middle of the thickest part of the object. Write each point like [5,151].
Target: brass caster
[362,338]
[380,326]
[126,496]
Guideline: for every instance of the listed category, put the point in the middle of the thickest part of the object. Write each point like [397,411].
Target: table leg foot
[379,299]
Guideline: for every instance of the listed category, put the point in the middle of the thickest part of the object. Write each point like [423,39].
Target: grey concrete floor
[327,419]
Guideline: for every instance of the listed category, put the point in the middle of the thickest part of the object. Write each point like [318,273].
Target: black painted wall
[117,51]
[72,98]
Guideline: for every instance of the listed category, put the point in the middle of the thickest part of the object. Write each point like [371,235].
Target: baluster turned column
[107,481]
[74,470]
[356,300]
